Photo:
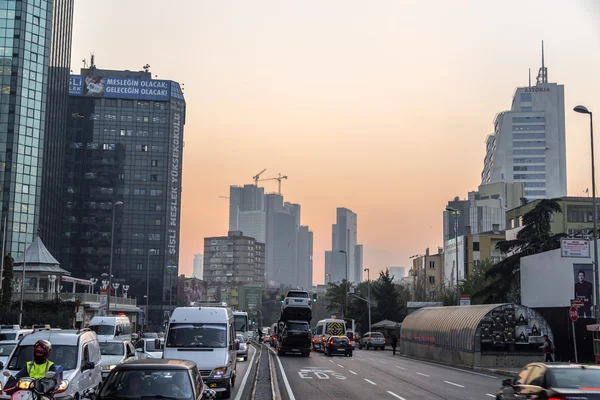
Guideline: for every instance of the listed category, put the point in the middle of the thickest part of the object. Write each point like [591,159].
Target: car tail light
[370,339]
[349,344]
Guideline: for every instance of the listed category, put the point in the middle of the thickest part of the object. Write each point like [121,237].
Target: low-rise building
[428,270]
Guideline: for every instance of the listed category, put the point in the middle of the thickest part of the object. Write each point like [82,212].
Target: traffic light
[253,322]
[314,297]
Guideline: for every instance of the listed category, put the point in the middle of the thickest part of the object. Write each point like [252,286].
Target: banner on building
[584,290]
[579,248]
[119,87]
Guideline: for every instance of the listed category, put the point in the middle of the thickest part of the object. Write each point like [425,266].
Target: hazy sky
[380,106]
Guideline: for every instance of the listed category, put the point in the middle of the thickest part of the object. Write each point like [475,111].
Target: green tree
[387,296]
[477,281]
[6,299]
[359,309]
[335,296]
[535,237]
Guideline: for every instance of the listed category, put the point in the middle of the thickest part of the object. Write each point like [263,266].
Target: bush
[56,313]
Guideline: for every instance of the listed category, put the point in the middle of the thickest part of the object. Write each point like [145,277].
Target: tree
[335,296]
[388,299]
[7,288]
[477,281]
[535,237]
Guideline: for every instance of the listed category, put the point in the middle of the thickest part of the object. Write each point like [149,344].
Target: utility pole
[369,295]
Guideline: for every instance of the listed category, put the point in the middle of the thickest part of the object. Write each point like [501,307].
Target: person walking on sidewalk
[394,344]
[548,347]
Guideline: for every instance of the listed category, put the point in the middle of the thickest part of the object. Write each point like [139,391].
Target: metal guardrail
[83,297]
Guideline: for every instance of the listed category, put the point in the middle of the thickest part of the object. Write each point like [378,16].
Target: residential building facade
[428,272]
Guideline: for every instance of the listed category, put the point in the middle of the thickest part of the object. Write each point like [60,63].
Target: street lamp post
[456,214]
[110,267]
[327,275]
[583,110]
[369,295]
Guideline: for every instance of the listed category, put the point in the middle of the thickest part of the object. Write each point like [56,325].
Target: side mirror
[6,373]
[507,382]
[88,365]
[50,374]
[139,350]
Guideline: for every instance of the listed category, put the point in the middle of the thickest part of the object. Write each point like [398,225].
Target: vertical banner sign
[174,200]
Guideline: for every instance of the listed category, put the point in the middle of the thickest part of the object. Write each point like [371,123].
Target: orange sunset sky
[380,106]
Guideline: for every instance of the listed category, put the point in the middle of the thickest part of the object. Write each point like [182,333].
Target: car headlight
[63,386]
[219,372]
[108,367]
[24,384]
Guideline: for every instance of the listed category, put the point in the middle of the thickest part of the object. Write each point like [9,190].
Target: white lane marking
[330,361]
[248,368]
[383,362]
[396,396]
[340,365]
[397,366]
[371,382]
[418,373]
[352,372]
[456,369]
[452,383]
[491,395]
[285,379]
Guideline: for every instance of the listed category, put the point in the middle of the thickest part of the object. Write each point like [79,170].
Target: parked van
[78,352]
[13,332]
[326,328]
[206,336]
[111,328]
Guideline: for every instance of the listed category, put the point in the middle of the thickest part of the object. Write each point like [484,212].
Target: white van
[206,336]
[111,328]
[13,332]
[326,328]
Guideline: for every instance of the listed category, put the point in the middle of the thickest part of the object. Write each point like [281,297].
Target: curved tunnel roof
[460,327]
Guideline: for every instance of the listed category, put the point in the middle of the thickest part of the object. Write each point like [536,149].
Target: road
[242,368]
[372,374]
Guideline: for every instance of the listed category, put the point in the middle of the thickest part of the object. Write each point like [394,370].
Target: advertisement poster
[119,87]
[583,288]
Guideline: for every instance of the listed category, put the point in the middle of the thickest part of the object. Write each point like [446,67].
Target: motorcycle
[27,388]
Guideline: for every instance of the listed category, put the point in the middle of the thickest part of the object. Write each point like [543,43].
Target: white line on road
[396,396]
[371,382]
[452,383]
[330,361]
[352,372]
[248,368]
[491,395]
[418,373]
[340,365]
[285,380]
[383,362]
[448,367]
[397,366]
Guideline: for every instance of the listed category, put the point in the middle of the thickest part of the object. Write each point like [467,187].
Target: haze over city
[381,107]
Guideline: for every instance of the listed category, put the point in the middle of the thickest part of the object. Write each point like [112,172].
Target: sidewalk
[499,371]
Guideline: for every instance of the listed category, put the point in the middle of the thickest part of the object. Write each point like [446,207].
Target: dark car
[553,381]
[338,345]
[154,378]
[294,336]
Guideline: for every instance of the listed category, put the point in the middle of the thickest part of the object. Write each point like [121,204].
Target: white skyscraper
[246,198]
[198,271]
[344,249]
[528,143]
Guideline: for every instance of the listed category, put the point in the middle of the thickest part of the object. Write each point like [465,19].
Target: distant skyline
[380,107]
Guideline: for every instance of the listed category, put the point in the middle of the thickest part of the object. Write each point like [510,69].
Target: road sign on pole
[573,314]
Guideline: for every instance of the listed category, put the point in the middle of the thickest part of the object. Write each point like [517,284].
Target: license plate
[341,349]
[295,349]
[213,385]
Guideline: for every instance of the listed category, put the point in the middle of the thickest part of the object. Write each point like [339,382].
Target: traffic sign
[573,314]
[577,303]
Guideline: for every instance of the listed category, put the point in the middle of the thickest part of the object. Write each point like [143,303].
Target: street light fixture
[327,275]
[456,214]
[112,251]
[583,110]
[369,295]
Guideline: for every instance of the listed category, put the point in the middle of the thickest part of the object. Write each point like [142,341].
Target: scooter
[35,389]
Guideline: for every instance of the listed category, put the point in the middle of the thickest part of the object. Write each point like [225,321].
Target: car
[76,351]
[115,352]
[243,350]
[295,337]
[155,378]
[149,348]
[296,305]
[13,332]
[338,345]
[553,381]
[6,347]
[374,340]
[108,328]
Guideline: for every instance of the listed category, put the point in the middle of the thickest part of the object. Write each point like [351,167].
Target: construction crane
[278,178]
[223,197]
[257,176]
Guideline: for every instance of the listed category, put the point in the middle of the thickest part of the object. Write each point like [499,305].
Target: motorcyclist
[37,368]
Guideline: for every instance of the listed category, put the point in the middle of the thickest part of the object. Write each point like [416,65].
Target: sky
[379,106]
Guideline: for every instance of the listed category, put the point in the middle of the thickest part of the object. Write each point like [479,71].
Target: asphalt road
[242,368]
[379,375]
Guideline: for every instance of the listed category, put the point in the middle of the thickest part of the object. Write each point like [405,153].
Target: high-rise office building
[304,271]
[344,241]
[528,143]
[273,205]
[198,268]
[253,224]
[35,35]
[125,144]
[244,198]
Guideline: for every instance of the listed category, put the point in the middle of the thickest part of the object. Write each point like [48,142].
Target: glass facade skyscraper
[124,144]
[26,45]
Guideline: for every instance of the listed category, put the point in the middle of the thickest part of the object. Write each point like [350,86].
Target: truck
[294,336]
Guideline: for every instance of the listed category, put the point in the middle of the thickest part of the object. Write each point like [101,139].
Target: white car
[296,305]
[115,352]
[6,347]
[149,348]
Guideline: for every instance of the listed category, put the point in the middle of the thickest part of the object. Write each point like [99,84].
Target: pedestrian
[548,347]
[394,344]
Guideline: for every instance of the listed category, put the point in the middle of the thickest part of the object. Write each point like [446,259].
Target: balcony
[85,298]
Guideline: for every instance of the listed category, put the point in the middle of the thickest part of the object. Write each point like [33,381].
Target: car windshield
[8,336]
[65,356]
[304,295]
[575,378]
[377,335]
[241,338]
[297,326]
[150,383]
[5,349]
[108,330]
[112,349]
[240,322]
[340,340]
[197,335]
[151,335]
[151,345]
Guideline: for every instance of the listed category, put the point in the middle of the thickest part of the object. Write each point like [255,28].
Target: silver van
[78,352]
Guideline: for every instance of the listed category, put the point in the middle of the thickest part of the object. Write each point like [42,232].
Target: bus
[241,323]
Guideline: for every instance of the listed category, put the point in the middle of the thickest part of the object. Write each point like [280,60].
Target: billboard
[450,260]
[250,297]
[584,289]
[119,87]
[575,248]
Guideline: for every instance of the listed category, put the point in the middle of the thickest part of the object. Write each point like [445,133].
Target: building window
[525,97]
[431,280]
[431,264]
[156,192]
[535,193]
[154,236]
[139,192]
[141,147]
[108,146]
[432,294]
[154,163]
[529,176]
[475,246]
[157,222]
[154,177]
[139,266]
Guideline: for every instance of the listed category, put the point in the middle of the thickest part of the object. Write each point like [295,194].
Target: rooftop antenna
[543,73]
[146,67]
[85,64]
[529,77]
[92,58]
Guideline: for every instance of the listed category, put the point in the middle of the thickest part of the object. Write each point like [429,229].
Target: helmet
[42,348]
